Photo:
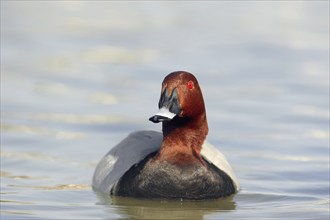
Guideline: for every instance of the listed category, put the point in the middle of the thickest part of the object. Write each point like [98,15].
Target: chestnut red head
[181,97]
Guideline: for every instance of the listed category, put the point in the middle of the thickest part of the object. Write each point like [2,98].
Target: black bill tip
[158,118]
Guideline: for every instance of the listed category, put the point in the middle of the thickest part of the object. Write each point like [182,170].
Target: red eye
[190,85]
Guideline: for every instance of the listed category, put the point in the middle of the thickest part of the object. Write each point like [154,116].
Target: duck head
[181,98]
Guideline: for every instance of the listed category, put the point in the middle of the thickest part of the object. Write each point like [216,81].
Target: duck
[177,163]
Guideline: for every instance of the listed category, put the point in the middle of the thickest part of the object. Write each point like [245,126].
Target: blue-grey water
[78,76]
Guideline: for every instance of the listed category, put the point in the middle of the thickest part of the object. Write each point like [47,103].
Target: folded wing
[130,151]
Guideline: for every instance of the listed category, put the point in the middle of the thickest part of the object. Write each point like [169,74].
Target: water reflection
[164,209]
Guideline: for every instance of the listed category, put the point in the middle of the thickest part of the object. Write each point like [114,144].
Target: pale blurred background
[78,76]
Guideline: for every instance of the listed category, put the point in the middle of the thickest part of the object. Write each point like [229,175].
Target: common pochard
[175,164]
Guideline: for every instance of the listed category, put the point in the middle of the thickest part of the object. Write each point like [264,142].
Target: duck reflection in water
[132,208]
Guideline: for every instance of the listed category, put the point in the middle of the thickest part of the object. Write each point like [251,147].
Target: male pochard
[175,164]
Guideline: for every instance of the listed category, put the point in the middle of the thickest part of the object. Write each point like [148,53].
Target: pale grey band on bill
[165,112]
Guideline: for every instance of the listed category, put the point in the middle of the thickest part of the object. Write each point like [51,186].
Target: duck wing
[130,151]
[214,156]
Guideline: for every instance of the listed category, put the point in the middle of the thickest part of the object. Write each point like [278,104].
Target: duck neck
[183,139]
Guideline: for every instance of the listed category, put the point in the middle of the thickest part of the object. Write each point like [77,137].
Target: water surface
[77,77]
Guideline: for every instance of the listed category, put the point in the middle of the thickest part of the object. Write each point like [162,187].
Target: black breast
[164,180]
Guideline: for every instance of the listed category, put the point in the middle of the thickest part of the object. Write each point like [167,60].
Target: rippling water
[77,77]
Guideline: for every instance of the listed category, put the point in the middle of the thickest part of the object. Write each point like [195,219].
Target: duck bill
[164,114]
[169,106]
